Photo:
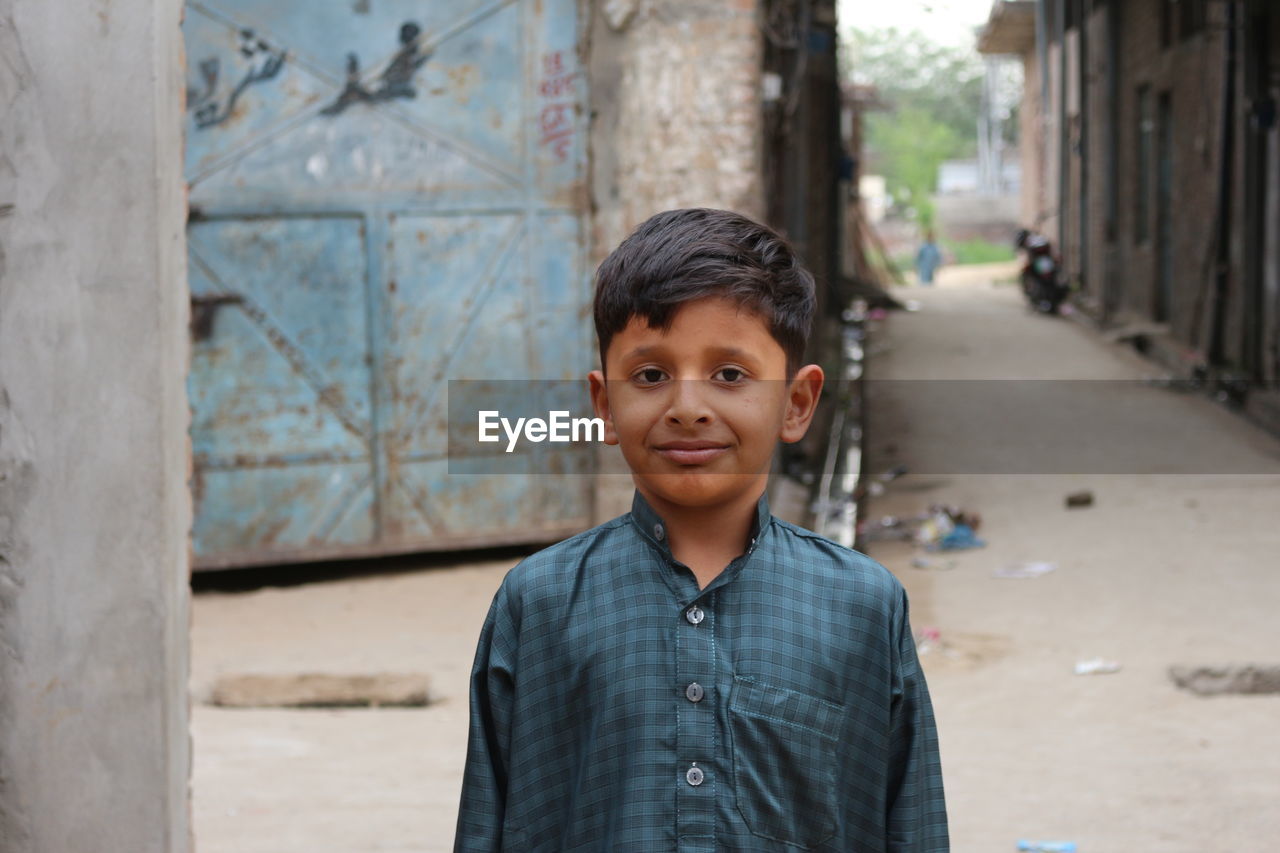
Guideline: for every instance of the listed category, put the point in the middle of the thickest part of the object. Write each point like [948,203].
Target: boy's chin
[698,488]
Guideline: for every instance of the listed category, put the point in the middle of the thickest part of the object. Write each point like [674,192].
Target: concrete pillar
[94,509]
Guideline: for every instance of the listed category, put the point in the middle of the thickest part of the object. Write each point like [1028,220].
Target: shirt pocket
[783,745]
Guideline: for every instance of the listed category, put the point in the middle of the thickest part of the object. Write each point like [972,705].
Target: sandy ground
[337,781]
[1163,569]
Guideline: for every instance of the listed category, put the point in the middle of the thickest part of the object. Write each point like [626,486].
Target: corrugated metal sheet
[385,195]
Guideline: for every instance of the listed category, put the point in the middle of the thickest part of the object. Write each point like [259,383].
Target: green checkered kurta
[617,707]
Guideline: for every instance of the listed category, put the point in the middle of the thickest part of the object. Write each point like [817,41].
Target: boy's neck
[707,539]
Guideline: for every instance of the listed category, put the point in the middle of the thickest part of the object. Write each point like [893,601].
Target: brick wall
[1116,220]
[1127,259]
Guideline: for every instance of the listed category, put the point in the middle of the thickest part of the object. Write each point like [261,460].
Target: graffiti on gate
[395,82]
[264,64]
[556,118]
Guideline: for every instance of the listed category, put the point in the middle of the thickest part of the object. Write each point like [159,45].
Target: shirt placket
[698,770]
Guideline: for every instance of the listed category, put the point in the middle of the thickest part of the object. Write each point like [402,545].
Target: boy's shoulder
[826,556]
[559,561]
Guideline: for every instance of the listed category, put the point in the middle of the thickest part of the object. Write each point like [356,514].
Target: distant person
[698,673]
[928,259]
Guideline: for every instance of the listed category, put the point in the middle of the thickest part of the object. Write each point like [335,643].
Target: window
[1051,14]
[1075,13]
[1145,150]
[1168,8]
[1192,17]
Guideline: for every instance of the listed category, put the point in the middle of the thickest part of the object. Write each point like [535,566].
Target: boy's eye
[650,376]
[729,374]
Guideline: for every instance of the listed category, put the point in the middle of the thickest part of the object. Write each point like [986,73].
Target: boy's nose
[688,403]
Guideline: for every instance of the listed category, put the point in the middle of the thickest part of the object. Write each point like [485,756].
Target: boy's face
[698,409]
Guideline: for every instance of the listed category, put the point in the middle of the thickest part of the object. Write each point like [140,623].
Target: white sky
[946,21]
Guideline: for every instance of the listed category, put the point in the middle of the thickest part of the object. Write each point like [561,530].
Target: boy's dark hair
[678,256]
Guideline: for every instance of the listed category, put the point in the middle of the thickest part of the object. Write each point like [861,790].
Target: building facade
[1151,158]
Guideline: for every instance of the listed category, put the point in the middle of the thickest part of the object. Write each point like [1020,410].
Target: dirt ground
[1163,569]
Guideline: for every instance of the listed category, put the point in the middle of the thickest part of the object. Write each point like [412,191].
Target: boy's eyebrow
[643,351]
[732,352]
[719,352]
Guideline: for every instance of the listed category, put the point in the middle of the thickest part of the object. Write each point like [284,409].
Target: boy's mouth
[689,452]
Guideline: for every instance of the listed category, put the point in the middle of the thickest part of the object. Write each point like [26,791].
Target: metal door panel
[387,194]
[378,159]
[319,510]
[281,429]
[302,279]
[483,508]
[448,273]
[252,407]
[560,302]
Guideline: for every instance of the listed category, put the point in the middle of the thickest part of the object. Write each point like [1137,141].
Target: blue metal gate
[385,195]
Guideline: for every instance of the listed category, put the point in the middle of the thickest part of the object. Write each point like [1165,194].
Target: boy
[697,675]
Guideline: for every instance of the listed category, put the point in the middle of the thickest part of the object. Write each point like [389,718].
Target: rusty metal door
[385,195]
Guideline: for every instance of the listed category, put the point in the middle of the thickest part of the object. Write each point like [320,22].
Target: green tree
[910,145]
[931,96]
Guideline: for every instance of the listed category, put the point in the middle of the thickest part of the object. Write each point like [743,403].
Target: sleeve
[482,808]
[917,819]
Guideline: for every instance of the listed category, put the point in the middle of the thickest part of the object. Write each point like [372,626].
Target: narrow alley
[1162,570]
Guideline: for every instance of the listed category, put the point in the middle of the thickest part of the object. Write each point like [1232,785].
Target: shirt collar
[654,529]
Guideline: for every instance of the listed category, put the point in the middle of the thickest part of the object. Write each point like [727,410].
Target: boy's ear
[802,401]
[600,402]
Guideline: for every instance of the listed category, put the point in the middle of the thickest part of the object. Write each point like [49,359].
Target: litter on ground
[1096,666]
[1079,500]
[937,565]
[1046,846]
[1025,570]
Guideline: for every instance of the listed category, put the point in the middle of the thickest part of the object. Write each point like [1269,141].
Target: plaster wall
[94,510]
[676,111]
[1031,142]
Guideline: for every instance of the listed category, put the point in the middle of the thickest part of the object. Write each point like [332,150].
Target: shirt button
[695,615]
[694,777]
[659,532]
[694,691]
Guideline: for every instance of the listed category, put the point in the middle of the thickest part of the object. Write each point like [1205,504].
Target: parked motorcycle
[1041,274]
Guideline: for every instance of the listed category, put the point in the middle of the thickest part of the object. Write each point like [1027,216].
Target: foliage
[978,251]
[932,95]
[911,144]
